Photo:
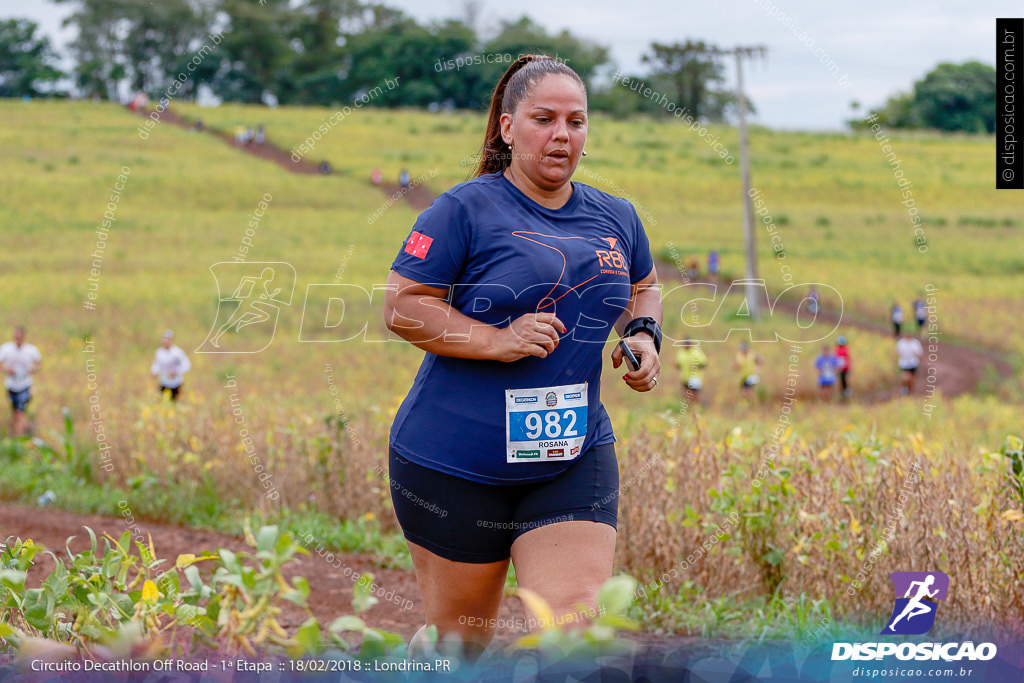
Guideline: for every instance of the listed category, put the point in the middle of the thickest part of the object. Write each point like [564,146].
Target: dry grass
[824,509]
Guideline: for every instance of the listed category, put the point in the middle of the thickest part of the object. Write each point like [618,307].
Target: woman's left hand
[646,377]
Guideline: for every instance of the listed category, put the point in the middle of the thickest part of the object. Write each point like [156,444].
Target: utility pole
[753,306]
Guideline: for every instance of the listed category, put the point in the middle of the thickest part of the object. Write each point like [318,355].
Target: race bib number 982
[546,423]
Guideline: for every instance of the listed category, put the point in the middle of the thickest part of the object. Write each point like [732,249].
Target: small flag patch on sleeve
[418,244]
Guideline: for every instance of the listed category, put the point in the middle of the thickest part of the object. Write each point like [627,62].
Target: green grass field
[188,200]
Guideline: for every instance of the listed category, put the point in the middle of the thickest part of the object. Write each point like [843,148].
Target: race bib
[545,424]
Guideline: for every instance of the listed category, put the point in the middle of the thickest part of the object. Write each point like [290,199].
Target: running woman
[511,282]
[909,351]
[170,365]
[19,361]
[843,354]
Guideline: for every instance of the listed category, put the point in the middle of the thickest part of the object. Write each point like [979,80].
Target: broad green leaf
[266,538]
[308,636]
[13,579]
[362,596]
[349,622]
[616,594]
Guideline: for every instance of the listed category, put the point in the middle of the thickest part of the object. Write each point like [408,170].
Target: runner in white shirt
[19,361]
[910,351]
[170,364]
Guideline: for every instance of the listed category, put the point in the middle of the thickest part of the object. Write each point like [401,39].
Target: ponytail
[515,83]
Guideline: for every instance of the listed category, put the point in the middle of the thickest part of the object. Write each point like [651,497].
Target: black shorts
[19,399]
[466,521]
[174,391]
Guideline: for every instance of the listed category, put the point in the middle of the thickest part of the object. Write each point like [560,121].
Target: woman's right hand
[532,334]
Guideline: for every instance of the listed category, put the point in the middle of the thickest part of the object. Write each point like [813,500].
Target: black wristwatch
[645,324]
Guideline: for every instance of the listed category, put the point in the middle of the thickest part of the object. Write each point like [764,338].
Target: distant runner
[827,366]
[896,315]
[170,364]
[714,265]
[843,354]
[692,361]
[920,312]
[747,363]
[910,351]
[19,361]
[814,300]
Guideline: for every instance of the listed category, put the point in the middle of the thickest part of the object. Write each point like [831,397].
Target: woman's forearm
[433,325]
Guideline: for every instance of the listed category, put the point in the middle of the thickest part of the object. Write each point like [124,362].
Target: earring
[584,152]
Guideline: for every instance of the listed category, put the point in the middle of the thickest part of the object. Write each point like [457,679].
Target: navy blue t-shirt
[501,255]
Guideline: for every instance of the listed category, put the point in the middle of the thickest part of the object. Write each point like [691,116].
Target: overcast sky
[879,46]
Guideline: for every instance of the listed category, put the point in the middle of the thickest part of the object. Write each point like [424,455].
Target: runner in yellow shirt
[747,362]
[692,361]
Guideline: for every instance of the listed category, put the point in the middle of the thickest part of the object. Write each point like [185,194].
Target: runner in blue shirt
[827,365]
[512,282]
[896,315]
[920,312]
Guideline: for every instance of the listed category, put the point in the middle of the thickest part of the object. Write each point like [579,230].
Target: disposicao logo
[913,613]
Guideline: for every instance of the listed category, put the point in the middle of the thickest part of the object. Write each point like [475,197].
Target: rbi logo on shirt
[246,317]
[551,399]
[611,260]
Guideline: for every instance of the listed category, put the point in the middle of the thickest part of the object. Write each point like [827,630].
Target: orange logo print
[611,257]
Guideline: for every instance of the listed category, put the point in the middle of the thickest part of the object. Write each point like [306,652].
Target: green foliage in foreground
[129,601]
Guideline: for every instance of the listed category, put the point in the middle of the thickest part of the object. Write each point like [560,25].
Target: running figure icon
[251,309]
[915,607]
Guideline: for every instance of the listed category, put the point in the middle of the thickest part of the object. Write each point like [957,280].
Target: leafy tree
[317,43]
[898,112]
[142,46]
[98,50]
[525,36]
[952,97]
[958,97]
[27,63]
[255,49]
[689,73]
[160,42]
[410,52]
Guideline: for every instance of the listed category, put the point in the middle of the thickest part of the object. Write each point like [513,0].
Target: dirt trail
[419,197]
[959,368]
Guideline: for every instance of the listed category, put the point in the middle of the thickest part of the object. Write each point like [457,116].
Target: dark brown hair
[514,85]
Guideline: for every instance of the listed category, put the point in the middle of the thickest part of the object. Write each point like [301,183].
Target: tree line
[325,52]
[330,52]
